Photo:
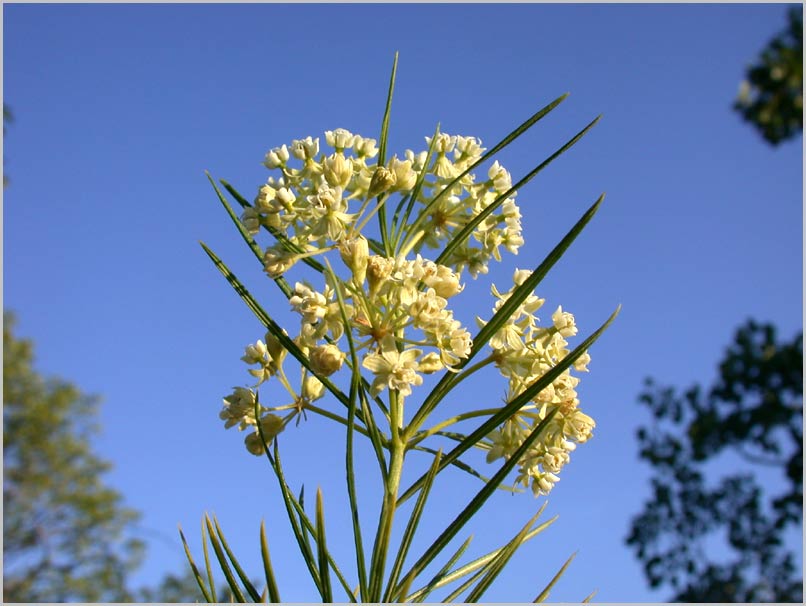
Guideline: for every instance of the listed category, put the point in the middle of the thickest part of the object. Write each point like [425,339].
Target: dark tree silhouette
[771,98]
[755,411]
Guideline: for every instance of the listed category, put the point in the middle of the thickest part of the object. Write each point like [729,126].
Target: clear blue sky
[119,109]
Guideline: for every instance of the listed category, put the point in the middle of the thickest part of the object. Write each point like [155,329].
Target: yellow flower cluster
[524,352]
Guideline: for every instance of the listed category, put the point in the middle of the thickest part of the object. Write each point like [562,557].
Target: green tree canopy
[771,98]
[65,534]
[755,410]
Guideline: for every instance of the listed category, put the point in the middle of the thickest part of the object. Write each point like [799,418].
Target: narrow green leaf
[441,573]
[235,194]
[386,115]
[465,232]
[382,156]
[268,569]
[411,528]
[478,500]
[196,574]
[222,562]
[494,150]
[477,565]
[500,560]
[505,312]
[321,549]
[207,565]
[543,595]
[454,595]
[515,404]
[590,597]
[250,589]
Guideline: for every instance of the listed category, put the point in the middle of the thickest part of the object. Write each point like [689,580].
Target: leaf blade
[543,595]
[321,549]
[194,568]
[268,569]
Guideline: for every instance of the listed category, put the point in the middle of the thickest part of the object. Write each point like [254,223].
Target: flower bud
[338,170]
[378,271]
[250,219]
[382,181]
[326,359]
[312,388]
[278,261]
[271,425]
[355,254]
[444,281]
[276,351]
[430,363]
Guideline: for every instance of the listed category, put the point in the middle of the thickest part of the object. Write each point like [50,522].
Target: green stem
[384,534]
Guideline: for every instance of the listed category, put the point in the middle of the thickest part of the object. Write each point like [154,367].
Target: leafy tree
[755,410]
[64,532]
[771,98]
[174,589]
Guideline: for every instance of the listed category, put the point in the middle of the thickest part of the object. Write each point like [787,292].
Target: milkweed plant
[392,239]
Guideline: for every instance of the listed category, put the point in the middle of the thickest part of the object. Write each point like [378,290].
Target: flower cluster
[397,302]
[524,352]
[323,200]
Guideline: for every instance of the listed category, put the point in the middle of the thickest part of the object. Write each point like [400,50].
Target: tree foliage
[771,98]
[65,534]
[754,410]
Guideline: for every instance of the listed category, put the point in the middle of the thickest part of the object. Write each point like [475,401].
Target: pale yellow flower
[393,369]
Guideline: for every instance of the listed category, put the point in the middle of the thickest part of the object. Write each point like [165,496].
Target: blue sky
[119,110]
